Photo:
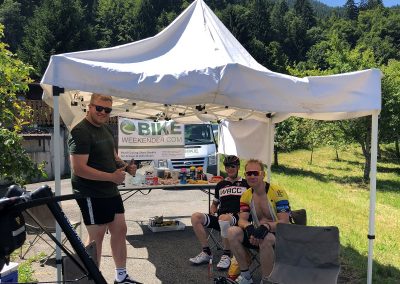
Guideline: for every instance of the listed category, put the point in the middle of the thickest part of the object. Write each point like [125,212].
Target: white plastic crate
[179,226]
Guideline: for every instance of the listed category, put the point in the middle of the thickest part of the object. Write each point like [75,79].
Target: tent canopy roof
[195,70]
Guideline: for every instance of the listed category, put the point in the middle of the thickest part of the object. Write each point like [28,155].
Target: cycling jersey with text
[228,194]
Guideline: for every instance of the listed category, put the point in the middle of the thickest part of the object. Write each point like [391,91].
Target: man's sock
[120,274]
[245,274]
[207,250]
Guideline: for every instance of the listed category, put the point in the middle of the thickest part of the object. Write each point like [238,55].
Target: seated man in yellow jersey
[266,205]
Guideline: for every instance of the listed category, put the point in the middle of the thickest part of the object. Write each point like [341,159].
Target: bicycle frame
[44,195]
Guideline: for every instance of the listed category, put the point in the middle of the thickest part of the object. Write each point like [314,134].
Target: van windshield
[198,134]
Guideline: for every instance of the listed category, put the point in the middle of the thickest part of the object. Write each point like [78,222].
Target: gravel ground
[160,257]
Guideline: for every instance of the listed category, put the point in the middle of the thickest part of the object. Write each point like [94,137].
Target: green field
[333,194]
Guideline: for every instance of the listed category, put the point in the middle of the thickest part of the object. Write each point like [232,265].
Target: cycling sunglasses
[101,108]
[230,166]
[254,173]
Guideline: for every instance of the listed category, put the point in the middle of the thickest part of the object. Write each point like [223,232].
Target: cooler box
[9,273]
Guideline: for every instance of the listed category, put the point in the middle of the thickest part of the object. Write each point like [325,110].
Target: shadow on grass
[382,274]
[317,176]
[382,185]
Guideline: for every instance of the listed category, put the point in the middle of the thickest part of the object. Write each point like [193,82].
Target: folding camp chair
[298,217]
[71,272]
[305,254]
[214,239]
[38,222]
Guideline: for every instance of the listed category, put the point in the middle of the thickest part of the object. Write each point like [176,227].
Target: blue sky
[335,3]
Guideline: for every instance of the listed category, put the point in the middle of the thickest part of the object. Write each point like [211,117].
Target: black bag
[12,229]
[298,217]
[12,232]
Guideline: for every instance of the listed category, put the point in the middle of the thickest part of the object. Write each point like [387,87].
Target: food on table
[215,179]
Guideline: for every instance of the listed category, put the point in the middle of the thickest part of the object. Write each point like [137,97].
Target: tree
[15,163]
[278,25]
[11,18]
[296,38]
[146,19]
[390,114]
[236,19]
[370,4]
[45,36]
[305,11]
[379,31]
[112,27]
[351,10]
[343,59]
[260,20]
[288,137]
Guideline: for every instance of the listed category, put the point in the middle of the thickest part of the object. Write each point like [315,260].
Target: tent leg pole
[372,199]
[57,167]
[270,141]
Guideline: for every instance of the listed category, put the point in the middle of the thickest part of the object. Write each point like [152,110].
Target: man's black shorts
[100,210]
[212,221]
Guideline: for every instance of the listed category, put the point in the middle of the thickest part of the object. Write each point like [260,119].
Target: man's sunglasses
[254,173]
[231,166]
[101,108]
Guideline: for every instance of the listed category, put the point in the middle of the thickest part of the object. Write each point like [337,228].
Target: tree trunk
[366,149]
[276,157]
[379,152]
[337,155]
[312,152]
[396,144]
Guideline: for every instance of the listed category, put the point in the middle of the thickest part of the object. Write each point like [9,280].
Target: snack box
[166,226]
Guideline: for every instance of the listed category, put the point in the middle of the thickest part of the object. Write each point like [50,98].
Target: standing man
[96,172]
[226,206]
[267,205]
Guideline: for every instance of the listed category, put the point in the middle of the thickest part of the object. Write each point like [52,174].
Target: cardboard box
[9,273]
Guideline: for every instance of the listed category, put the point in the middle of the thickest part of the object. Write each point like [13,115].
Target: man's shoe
[127,280]
[201,258]
[224,262]
[242,280]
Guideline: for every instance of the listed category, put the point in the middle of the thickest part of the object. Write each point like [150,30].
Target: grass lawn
[334,195]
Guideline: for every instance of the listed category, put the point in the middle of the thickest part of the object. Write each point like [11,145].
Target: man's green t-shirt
[98,142]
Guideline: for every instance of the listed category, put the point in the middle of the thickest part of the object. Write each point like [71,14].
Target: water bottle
[199,173]
[193,172]
[182,176]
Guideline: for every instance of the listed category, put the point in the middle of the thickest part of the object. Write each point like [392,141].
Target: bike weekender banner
[149,140]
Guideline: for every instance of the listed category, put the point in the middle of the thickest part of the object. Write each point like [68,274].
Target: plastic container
[175,174]
[178,226]
[9,273]
[193,172]
[234,269]
[199,173]
[182,176]
[149,178]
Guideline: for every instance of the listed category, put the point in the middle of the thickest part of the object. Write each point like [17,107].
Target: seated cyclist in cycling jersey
[223,213]
[267,205]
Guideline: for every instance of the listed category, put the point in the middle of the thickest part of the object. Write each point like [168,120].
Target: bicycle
[12,227]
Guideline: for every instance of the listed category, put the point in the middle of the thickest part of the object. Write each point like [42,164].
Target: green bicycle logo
[127,127]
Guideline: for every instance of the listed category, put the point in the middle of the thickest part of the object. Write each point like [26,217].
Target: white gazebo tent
[195,70]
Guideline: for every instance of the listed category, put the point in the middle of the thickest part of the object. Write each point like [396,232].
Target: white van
[200,149]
